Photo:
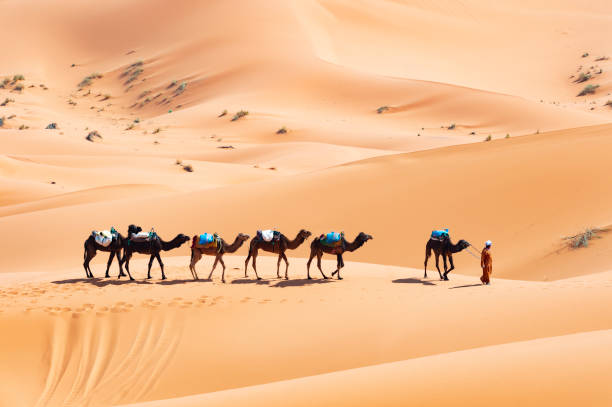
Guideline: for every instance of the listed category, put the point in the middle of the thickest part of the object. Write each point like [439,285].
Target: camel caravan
[272,241]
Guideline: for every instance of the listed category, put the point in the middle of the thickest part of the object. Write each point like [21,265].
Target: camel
[152,247]
[280,246]
[218,252]
[445,248]
[317,249]
[91,249]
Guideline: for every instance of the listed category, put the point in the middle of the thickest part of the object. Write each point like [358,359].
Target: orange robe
[486,262]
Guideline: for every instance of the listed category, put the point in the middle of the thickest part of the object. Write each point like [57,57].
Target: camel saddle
[268,235]
[332,239]
[143,237]
[207,241]
[104,237]
[440,235]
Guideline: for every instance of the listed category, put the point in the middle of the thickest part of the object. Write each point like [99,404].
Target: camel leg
[196,255]
[246,263]
[126,258]
[286,266]
[452,266]
[161,265]
[280,256]
[150,264]
[222,265]
[445,267]
[339,265]
[213,267]
[108,264]
[121,273]
[319,255]
[427,256]
[438,266]
[312,254]
[89,255]
[255,264]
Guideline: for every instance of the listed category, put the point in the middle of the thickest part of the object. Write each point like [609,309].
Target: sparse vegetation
[588,89]
[451,127]
[181,88]
[282,130]
[143,94]
[223,113]
[188,168]
[133,73]
[2,121]
[18,87]
[137,120]
[5,82]
[382,109]
[583,77]
[11,117]
[89,79]
[604,58]
[586,54]
[93,135]
[17,78]
[106,97]
[23,127]
[240,114]
[507,135]
[72,102]
[51,126]
[582,239]
[157,130]
[226,147]
[130,126]
[172,84]
[608,103]
[6,101]
[489,138]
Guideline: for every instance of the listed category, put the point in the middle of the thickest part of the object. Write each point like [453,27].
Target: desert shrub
[489,138]
[51,126]
[157,130]
[582,239]
[93,135]
[18,78]
[583,77]
[382,109]
[188,168]
[2,121]
[240,114]
[130,126]
[586,54]
[451,127]
[4,82]
[282,130]
[106,97]
[608,103]
[181,88]
[223,113]
[89,79]
[507,135]
[18,87]
[588,89]
[133,75]
[23,127]
[143,94]
[6,101]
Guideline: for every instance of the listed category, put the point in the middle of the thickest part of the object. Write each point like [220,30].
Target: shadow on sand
[301,282]
[184,281]
[465,286]
[251,281]
[412,281]
[101,282]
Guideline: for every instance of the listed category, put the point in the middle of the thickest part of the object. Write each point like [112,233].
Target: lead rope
[472,254]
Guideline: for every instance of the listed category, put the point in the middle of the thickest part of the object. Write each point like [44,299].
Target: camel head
[181,238]
[463,244]
[304,234]
[242,237]
[133,229]
[363,237]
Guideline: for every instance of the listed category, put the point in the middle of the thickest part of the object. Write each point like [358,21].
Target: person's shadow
[465,286]
[412,281]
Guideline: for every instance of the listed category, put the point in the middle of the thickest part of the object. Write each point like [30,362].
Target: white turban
[488,243]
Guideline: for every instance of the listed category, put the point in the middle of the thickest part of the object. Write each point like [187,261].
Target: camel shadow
[465,286]
[301,282]
[250,281]
[184,281]
[412,281]
[99,281]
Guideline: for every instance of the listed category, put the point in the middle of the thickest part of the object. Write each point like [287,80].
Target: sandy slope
[446,74]
[109,342]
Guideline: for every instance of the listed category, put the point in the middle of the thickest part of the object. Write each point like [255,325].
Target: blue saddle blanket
[206,238]
[332,238]
[440,234]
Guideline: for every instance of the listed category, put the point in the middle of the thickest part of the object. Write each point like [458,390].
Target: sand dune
[341,115]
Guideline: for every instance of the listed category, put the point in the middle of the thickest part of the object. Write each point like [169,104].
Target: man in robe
[486,262]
